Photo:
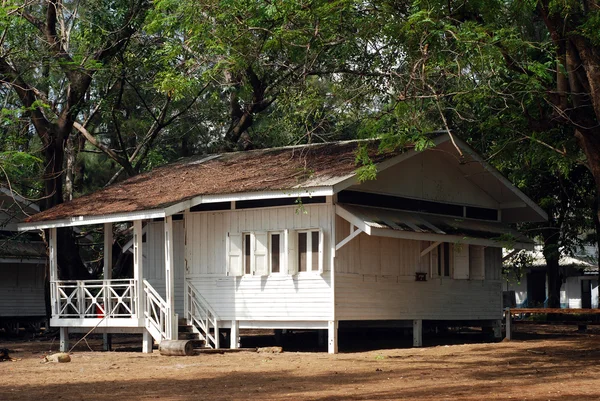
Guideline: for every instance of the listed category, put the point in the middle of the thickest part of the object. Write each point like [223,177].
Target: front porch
[128,305]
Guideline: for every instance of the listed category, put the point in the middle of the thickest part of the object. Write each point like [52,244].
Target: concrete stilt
[64,339]
[417,333]
[332,334]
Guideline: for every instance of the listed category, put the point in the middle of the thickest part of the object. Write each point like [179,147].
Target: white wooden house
[578,290]
[290,239]
[22,265]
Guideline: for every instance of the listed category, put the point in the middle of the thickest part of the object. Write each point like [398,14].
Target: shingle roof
[229,173]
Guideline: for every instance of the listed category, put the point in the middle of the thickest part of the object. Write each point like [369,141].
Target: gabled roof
[286,170]
[308,170]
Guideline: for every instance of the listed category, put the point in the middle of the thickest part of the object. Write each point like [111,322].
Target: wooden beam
[510,254]
[138,268]
[348,239]
[169,278]
[108,254]
[430,248]
[53,260]
[352,219]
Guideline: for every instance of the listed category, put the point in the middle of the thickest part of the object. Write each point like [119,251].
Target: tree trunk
[552,256]
[70,265]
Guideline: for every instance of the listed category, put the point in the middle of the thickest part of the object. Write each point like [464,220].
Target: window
[459,261]
[276,251]
[309,251]
[247,253]
[442,260]
[261,253]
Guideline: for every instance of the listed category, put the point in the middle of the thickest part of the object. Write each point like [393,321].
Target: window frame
[282,251]
[247,259]
[310,251]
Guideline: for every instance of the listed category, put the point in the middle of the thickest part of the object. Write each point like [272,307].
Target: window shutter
[291,252]
[476,262]
[461,262]
[261,265]
[234,254]
[434,261]
[321,250]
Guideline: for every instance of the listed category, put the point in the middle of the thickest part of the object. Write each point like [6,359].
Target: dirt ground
[543,363]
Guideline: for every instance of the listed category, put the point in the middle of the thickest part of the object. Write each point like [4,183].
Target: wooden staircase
[186,332]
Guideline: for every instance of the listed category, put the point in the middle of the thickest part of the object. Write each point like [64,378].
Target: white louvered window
[258,253]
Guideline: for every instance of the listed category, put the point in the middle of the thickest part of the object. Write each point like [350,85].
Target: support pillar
[497,329]
[147,342]
[332,334]
[508,324]
[170,279]
[64,339]
[107,342]
[107,273]
[322,338]
[138,270]
[234,335]
[417,333]
[53,266]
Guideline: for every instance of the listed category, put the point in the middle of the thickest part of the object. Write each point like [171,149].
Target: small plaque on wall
[420,276]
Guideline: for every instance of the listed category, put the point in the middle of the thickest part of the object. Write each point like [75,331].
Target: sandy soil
[554,364]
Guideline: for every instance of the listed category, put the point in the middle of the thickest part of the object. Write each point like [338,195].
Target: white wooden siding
[207,232]
[429,175]
[278,297]
[303,297]
[375,280]
[359,297]
[153,251]
[22,290]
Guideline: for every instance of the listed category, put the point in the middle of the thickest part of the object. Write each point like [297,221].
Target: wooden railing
[158,320]
[201,316]
[94,299]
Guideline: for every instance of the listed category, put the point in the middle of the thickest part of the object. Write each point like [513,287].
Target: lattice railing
[201,316]
[94,298]
[156,314]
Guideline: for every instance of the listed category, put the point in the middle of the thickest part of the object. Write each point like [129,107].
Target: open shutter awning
[428,227]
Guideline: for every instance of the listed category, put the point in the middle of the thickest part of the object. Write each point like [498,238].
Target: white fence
[94,299]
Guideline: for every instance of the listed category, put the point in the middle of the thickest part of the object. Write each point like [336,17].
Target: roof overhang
[176,208]
[420,226]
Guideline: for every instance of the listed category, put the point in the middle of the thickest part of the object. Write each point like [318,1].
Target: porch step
[187,333]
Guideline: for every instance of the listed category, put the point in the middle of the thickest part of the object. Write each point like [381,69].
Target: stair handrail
[156,314]
[202,316]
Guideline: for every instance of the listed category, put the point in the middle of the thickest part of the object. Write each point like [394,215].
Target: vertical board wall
[375,280]
[277,297]
[22,290]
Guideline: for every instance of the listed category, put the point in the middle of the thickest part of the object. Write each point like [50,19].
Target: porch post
[108,242]
[169,279]
[138,270]
[53,267]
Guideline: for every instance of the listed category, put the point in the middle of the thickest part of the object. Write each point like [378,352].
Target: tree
[51,72]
